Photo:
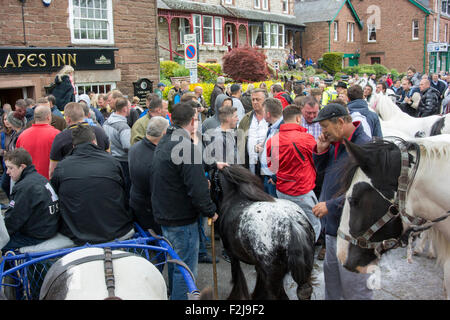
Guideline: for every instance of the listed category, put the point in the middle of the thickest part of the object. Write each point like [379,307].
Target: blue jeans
[270,188]
[202,237]
[185,242]
[306,201]
[341,284]
[18,240]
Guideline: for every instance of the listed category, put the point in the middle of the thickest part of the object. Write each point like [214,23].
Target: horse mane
[387,109]
[437,127]
[434,148]
[246,183]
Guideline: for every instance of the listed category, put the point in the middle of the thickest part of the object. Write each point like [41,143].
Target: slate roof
[308,11]
[227,11]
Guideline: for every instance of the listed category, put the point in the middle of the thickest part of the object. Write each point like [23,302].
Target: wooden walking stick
[213,246]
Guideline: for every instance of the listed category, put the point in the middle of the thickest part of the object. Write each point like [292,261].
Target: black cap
[341,84]
[331,110]
[328,80]
[345,77]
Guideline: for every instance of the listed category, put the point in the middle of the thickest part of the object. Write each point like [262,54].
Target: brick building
[330,26]
[110,44]
[396,34]
[222,25]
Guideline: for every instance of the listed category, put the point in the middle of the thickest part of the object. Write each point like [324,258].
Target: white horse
[395,119]
[136,278]
[428,197]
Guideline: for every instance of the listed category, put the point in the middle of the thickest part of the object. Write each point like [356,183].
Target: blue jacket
[331,164]
[361,106]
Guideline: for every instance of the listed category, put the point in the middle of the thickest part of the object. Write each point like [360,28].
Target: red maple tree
[246,64]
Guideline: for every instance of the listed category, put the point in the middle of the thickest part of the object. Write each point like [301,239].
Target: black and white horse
[274,235]
[376,217]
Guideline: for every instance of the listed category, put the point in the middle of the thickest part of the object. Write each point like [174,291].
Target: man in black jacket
[33,215]
[140,159]
[91,187]
[430,102]
[180,193]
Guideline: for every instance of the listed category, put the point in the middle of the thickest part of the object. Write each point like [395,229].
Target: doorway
[11,96]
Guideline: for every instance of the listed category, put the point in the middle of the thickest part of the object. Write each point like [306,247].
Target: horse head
[371,182]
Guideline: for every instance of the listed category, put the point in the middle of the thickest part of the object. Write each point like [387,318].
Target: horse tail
[301,258]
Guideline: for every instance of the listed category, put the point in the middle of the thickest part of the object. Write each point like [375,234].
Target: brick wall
[315,40]
[394,44]
[135,31]
[342,45]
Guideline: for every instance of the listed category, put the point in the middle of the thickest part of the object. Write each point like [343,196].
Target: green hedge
[208,76]
[332,62]
[167,69]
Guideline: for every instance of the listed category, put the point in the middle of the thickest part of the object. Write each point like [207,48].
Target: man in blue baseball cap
[159,89]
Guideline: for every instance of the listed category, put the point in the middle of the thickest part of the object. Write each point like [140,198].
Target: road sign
[193,75]
[190,51]
[437,47]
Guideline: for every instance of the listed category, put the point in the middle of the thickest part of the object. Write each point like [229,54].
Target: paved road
[399,280]
[421,280]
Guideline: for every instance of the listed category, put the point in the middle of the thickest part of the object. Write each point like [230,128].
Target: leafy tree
[245,64]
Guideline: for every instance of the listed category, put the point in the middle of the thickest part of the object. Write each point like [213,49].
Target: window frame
[336,31]
[112,84]
[109,28]
[182,29]
[221,31]
[257,4]
[283,2]
[272,25]
[265,5]
[350,32]
[414,28]
[208,29]
[369,28]
[199,27]
[282,35]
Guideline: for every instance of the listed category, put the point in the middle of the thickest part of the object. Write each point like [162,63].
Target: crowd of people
[89,166]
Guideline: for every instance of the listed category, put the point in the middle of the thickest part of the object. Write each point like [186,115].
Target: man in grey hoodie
[119,133]
[214,122]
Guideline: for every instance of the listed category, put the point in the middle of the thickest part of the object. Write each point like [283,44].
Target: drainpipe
[425,46]
[329,36]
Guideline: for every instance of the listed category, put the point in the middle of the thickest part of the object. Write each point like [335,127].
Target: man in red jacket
[38,139]
[289,155]
[281,95]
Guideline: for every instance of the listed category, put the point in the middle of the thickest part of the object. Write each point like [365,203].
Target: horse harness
[107,257]
[397,208]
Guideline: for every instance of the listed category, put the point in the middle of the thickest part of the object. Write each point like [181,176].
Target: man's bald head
[43,113]
[424,84]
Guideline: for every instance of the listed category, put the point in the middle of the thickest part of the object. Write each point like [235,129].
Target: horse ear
[357,153]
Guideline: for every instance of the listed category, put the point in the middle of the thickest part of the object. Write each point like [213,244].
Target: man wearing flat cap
[329,157]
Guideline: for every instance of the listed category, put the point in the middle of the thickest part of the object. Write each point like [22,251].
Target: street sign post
[190,51]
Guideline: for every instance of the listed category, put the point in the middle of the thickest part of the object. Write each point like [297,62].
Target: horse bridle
[396,209]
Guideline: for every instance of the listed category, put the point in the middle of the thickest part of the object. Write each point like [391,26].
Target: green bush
[380,70]
[207,76]
[332,62]
[366,68]
[181,72]
[167,68]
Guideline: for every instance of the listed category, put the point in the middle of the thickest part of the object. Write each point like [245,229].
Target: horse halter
[396,209]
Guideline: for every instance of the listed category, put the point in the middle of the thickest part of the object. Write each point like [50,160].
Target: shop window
[98,88]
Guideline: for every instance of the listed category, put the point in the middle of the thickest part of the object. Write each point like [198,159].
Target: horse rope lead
[213,246]
[417,224]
